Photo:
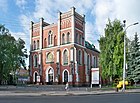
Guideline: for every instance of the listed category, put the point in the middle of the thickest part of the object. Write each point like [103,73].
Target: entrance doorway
[35,78]
[50,76]
[65,76]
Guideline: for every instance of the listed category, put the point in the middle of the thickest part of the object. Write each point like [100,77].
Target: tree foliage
[12,53]
[133,72]
[111,47]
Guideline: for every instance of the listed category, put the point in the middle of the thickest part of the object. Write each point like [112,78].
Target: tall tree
[133,72]
[111,47]
[131,60]
[12,53]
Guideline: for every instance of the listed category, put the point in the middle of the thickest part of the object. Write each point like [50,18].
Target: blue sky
[17,14]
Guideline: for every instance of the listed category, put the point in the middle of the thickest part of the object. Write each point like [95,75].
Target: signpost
[38,79]
[94,76]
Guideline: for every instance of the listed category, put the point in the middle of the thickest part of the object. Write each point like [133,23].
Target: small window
[37,44]
[68,37]
[88,63]
[63,39]
[65,57]
[50,38]
[80,57]
[35,60]
[77,39]
[45,43]
[49,57]
[34,47]
[80,40]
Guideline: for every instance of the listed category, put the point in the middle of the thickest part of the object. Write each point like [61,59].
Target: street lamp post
[124,68]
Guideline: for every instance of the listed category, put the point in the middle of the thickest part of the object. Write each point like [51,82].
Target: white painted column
[76,65]
[73,23]
[86,70]
[41,37]
[41,32]
[59,18]
[71,54]
[58,54]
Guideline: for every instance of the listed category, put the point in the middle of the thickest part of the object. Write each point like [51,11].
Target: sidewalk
[54,93]
[21,92]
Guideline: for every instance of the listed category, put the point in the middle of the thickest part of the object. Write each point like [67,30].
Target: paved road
[105,98]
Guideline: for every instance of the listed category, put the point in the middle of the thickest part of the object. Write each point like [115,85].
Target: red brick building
[59,52]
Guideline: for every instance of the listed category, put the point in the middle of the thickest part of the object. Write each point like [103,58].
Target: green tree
[111,47]
[12,53]
[131,61]
[133,72]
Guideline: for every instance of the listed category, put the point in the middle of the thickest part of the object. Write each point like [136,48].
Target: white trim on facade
[72,54]
[65,29]
[58,40]
[73,23]
[57,55]
[41,32]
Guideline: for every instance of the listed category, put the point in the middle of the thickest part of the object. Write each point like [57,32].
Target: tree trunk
[110,79]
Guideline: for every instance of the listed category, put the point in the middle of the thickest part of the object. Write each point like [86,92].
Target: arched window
[49,57]
[63,38]
[95,62]
[37,44]
[65,57]
[50,38]
[80,39]
[88,63]
[68,37]
[55,40]
[45,43]
[77,38]
[80,57]
[34,47]
[35,60]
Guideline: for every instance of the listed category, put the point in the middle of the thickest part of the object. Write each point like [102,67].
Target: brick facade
[58,53]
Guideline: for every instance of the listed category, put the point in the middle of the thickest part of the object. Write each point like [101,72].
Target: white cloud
[25,22]
[130,12]
[120,9]
[21,3]
[3,5]
[49,8]
[103,10]
[100,9]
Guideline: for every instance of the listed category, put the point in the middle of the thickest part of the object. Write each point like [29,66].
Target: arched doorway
[50,76]
[35,78]
[65,76]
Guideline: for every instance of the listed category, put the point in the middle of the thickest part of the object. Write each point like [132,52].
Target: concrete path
[34,91]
